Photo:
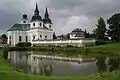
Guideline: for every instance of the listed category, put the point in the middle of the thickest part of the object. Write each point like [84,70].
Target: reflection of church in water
[31,64]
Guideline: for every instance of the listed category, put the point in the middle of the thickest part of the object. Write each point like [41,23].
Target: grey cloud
[66,14]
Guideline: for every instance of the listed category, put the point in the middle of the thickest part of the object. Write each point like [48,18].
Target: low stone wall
[78,43]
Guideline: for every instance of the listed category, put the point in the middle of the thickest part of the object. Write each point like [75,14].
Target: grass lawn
[112,49]
[8,73]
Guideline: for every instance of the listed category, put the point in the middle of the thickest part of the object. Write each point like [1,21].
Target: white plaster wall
[65,42]
[37,24]
[15,36]
[47,25]
[42,32]
[22,21]
[73,37]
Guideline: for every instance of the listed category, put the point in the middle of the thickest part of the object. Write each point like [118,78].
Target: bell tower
[25,19]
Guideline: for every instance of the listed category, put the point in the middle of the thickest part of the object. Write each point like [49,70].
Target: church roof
[36,18]
[47,21]
[20,27]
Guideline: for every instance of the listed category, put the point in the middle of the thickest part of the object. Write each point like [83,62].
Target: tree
[101,29]
[85,33]
[101,65]
[3,39]
[54,36]
[114,27]
[94,33]
[4,36]
[68,36]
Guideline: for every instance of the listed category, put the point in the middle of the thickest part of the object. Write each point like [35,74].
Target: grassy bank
[111,49]
[8,73]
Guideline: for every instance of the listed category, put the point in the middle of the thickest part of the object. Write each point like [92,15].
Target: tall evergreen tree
[114,27]
[101,29]
[54,36]
[85,33]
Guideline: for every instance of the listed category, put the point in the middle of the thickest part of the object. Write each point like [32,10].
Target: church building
[36,29]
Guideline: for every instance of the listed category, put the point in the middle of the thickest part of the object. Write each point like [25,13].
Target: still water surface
[39,66]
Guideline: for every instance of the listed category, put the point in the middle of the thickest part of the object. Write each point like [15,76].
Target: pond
[40,64]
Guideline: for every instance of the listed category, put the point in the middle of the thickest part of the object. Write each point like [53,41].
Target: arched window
[33,24]
[26,38]
[49,26]
[40,24]
[33,37]
[45,37]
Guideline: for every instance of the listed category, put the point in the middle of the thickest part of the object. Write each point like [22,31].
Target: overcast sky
[66,15]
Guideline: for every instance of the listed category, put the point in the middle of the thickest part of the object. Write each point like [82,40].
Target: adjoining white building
[30,31]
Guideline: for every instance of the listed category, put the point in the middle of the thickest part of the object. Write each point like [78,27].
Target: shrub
[58,46]
[23,44]
[100,42]
[69,46]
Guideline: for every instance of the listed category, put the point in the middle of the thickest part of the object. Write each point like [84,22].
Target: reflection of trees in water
[101,64]
[112,63]
[5,52]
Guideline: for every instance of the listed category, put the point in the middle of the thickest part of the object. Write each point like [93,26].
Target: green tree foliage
[68,36]
[114,27]
[114,64]
[101,29]
[87,34]
[4,36]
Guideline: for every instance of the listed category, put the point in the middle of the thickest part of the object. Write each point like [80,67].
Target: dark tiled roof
[19,27]
[47,21]
[36,18]
[79,34]
[77,30]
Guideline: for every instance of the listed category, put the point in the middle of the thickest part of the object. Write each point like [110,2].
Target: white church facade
[39,30]
[30,31]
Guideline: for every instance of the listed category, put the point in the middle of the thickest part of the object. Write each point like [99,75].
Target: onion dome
[46,17]
[36,16]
